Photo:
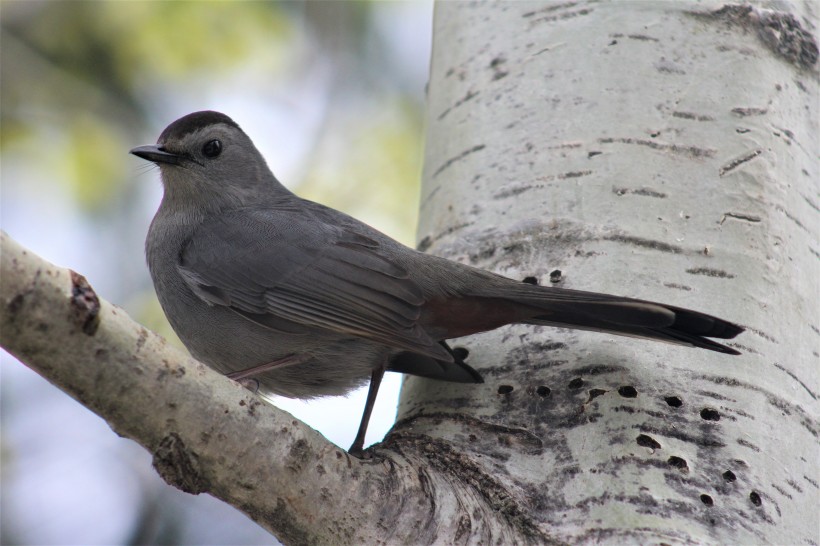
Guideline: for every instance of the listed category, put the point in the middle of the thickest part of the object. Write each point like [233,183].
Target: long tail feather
[618,315]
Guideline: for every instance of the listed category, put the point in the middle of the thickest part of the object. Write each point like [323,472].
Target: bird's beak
[157,154]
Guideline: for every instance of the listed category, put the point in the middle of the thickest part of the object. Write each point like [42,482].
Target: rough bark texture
[665,151]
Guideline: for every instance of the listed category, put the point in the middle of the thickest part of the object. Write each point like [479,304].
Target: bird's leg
[357,449]
[283,362]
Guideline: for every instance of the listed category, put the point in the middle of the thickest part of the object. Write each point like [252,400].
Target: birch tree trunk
[638,148]
[665,151]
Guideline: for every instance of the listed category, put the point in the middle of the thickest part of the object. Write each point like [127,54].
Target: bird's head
[206,161]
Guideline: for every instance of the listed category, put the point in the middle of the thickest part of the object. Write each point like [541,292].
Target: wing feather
[299,269]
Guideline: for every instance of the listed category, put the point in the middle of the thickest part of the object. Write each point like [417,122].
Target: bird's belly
[330,363]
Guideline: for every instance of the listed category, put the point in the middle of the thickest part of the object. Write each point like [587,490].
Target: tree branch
[207,433]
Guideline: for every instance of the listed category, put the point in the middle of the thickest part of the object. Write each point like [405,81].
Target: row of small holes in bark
[627,391]
[542,390]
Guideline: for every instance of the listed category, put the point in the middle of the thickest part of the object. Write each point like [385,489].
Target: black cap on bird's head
[205,158]
[194,122]
[176,132]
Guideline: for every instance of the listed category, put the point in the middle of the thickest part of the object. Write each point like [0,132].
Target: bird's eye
[212,148]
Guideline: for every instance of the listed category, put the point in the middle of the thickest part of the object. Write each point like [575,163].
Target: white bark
[665,151]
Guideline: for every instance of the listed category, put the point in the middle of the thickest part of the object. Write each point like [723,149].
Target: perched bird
[308,301]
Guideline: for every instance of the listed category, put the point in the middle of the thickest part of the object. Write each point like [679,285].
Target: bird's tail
[616,315]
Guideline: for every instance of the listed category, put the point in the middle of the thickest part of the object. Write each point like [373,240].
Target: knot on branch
[85,305]
[179,466]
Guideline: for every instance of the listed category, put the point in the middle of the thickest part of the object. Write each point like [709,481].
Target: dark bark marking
[85,305]
[429,197]
[427,241]
[253,403]
[667,67]
[688,151]
[762,334]
[549,8]
[512,192]
[298,455]
[143,337]
[793,484]
[639,191]
[565,146]
[735,163]
[469,96]
[677,286]
[497,66]
[289,530]
[179,466]
[740,216]
[793,376]
[782,491]
[690,115]
[595,393]
[573,174]
[810,203]
[709,272]
[673,432]
[459,157]
[797,222]
[563,16]
[715,396]
[645,243]
[784,35]
[642,38]
[781,32]
[15,304]
[749,111]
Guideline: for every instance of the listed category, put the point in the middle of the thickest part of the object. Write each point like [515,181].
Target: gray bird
[308,301]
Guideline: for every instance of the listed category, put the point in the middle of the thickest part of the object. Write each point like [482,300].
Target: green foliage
[121,42]
[78,71]
[91,161]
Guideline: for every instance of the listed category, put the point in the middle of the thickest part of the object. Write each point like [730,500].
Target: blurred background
[332,94]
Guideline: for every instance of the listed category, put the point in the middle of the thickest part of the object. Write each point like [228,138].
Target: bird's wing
[271,265]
